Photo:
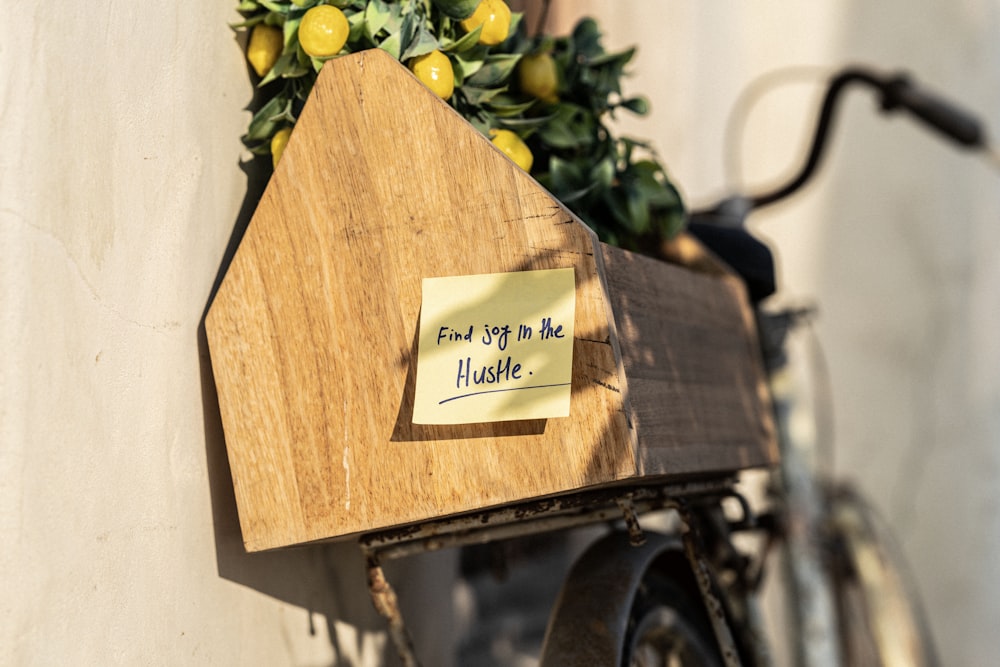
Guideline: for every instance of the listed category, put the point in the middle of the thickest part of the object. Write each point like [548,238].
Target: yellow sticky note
[495,347]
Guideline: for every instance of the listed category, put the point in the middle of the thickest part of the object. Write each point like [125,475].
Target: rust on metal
[695,552]
[386,604]
[532,517]
[635,536]
[540,516]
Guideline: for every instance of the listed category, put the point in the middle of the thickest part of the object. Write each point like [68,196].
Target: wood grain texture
[313,331]
[696,389]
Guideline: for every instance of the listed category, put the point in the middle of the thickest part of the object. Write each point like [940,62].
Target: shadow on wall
[328,580]
[324,579]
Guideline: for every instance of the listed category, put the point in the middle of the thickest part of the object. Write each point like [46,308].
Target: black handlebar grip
[956,124]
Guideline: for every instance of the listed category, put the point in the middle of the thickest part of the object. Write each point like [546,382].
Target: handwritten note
[495,347]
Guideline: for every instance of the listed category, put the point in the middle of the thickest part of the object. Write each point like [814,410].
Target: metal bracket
[694,549]
[386,604]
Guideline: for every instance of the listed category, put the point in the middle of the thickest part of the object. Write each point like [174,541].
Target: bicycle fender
[589,620]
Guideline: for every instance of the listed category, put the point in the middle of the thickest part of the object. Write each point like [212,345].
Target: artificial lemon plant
[544,100]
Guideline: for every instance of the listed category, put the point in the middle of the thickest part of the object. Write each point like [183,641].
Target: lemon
[264,47]
[538,76]
[434,70]
[513,147]
[323,31]
[278,143]
[494,17]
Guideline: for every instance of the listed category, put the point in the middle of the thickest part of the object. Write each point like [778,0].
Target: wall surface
[896,241]
[121,188]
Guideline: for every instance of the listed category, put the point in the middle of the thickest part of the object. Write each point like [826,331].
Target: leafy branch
[559,94]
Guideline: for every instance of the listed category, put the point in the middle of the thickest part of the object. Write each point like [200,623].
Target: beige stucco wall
[120,188]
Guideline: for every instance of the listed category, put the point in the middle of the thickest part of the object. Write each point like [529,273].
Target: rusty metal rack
[606,505]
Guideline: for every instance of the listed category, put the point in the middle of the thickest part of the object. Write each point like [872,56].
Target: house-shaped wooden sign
[315,338]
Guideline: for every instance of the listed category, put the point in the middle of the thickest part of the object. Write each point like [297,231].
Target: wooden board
[313,331]
[687,345]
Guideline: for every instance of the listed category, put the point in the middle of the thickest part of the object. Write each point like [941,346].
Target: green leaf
[566,176]
[587,38]
[638,211]
[637,105]
[573,127]
[408,31]
[261,149]
[423,43]
[477,96]
[357,36]
[506,108]
[395,22]
[483,122]
[576,196]
[515,36]
[495,71]
[265,121]
[524,125]
[279,65]
[457,9]
[603,173]
[619,59]
[376,15]
[558,134]
[276,7]
[465,65]
[249,23]
[468,41]
[668,223]
[290,32]
[615,201]
[392,45]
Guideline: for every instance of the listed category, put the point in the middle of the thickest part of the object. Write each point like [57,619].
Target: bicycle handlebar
[939,114]
[897,92]
[722,228]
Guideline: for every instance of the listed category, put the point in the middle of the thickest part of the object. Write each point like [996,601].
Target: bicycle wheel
[632,606]
[668,627]
[882,622]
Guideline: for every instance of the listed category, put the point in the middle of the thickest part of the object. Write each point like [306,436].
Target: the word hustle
[504,370]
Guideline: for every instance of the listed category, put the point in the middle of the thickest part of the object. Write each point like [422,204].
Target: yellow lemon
[538,76]
[494,16]
[278,143]
[323,31]
[513,147]
[434,70]
[264,47]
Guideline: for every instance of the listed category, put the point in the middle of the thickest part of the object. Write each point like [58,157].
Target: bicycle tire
[617,594]
[882,621]
[668,625]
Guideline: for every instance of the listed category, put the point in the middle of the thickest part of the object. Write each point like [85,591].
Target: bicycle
[693,599]
[687,596]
